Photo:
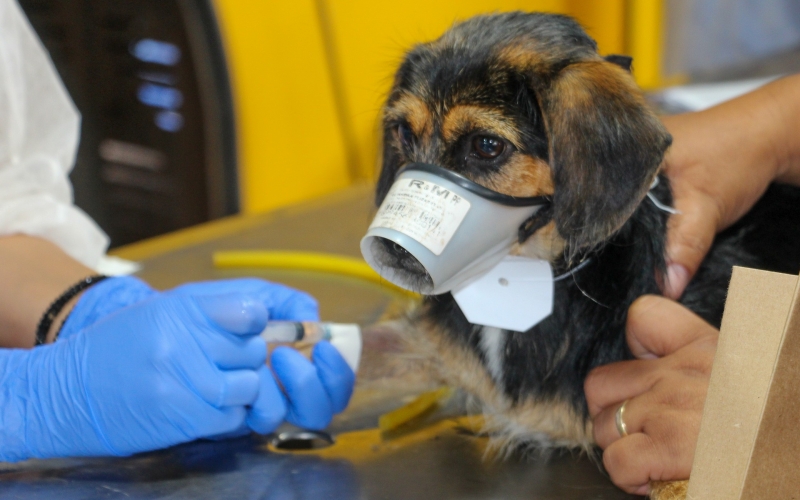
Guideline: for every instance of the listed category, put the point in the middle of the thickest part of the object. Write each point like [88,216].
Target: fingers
[236,313]
[313,392]
[631,461]
[610,384]
[234,353]
[335,374]
[282,302]
[309,405]
[227,388]
[286,303]
[605,423]
[218,422]
[657,327]
[270,407]
[234,320]
[665,454]
[690,234]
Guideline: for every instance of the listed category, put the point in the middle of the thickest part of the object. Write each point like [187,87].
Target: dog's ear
[624,62]
[605,147]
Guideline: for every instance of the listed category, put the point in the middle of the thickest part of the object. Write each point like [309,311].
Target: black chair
[158,149]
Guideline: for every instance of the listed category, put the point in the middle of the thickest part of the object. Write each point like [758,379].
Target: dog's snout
[397,250]
[395,255]
[391,254]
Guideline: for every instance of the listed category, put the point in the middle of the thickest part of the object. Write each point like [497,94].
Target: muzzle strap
[535,222]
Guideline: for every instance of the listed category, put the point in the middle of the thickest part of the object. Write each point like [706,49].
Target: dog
[523,104]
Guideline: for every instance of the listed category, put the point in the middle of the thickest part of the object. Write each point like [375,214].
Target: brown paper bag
[749,443]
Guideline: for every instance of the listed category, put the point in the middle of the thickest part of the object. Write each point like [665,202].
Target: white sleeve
[39,130]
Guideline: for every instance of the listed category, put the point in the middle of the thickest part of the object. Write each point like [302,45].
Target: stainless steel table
[439,457]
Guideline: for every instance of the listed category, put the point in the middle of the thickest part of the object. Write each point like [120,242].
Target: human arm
[44,388]
[38,139]
[665,387]
[721,161]
[33,273]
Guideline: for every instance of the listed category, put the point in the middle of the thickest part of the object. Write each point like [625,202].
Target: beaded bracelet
[55,308]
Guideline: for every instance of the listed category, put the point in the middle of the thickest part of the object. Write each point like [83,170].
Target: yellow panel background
[310,76]
[290,144]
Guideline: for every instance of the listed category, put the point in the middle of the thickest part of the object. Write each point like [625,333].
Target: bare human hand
[721,162]
[665,389]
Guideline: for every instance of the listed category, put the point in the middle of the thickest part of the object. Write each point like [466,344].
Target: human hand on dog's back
[721,161]
[170,368]
[665,389]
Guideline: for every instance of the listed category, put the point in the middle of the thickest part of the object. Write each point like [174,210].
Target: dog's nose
[397,250]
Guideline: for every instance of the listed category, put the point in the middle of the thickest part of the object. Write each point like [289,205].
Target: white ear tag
[514,295]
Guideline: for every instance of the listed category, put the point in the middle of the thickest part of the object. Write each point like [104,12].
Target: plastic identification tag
[514,295]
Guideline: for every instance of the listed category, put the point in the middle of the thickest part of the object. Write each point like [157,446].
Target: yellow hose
[304,261]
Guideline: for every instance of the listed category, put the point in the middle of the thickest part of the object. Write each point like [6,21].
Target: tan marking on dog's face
[463,119]
[413,110]
[545,244]
[522,176]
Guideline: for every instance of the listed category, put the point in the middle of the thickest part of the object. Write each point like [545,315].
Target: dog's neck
[587,326]
[639,243]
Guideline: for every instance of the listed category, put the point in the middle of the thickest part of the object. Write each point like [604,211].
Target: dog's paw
[668,490]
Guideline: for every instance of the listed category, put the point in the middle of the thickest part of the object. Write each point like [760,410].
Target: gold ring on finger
[619,419]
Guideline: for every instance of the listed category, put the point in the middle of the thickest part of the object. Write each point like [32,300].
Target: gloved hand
[113,294]
[169,369]
[102,299]
[313,392]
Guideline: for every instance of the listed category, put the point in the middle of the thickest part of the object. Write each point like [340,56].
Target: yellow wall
[290,144]
[310,76]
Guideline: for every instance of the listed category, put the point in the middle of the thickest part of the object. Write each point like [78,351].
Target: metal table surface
[439,457]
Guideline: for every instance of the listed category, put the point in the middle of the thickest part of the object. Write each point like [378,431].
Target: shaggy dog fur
[523,104]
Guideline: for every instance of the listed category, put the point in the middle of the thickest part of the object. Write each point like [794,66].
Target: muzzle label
[425,211]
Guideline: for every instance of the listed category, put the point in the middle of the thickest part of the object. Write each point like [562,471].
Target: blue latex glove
[169,369]
[113,294]
[313,392]
[282,302]
[102,299]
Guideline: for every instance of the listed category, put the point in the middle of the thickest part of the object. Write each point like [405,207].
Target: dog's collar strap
[534,223]
[482,191]
[657,203]
[574,270]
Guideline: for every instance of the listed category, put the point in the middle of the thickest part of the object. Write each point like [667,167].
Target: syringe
[346,338]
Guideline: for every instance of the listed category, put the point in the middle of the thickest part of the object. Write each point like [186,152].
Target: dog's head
[524,105]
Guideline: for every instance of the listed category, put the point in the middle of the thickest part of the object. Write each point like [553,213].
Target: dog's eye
[487,147]
[405,134]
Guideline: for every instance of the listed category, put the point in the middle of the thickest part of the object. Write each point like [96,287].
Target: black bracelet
[55,308]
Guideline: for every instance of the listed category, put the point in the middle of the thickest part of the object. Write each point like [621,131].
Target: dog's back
[767,237]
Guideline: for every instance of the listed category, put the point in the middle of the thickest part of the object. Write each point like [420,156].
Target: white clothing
[39,131]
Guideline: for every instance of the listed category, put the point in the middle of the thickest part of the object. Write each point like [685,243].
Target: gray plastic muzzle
[455,229]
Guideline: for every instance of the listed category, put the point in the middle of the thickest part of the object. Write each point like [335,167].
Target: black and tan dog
[524,105]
